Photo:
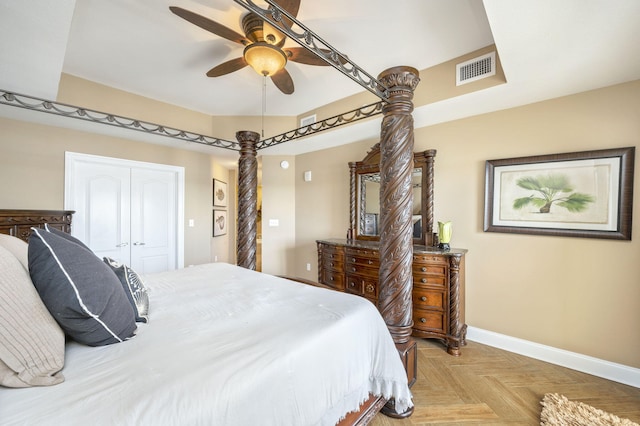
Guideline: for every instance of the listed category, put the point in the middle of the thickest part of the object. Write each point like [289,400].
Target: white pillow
[31,342]
[17,247]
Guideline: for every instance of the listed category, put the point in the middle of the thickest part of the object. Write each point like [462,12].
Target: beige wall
[278,203]
[577,294]
[436,83]
[32,172]
[77,91]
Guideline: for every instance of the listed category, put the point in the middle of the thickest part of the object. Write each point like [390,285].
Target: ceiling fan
[263,46]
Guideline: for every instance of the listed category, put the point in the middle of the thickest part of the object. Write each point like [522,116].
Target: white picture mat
[597,177]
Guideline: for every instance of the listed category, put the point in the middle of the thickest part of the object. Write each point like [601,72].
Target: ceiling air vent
[307,121]
[476,69]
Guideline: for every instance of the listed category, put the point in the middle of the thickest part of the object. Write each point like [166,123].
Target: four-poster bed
[210,290]
[395,86]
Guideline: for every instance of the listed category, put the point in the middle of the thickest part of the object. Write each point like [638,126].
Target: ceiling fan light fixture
[265,58]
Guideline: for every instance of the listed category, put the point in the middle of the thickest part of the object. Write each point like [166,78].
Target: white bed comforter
[225,346]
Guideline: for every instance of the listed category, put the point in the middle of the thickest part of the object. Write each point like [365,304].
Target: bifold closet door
[102,200]
[153,219]
[127,214]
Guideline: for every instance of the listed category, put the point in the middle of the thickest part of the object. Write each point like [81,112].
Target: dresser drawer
[429,280]
[430,270]
[362,261]
[426,268]
[360,253]
[428,299]
[335,264]
[430,258]
[427,320]
[331,252]
[360,269]
[332,278]
[362,285]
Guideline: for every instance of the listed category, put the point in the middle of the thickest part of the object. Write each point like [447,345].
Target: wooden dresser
[19,222]
[438,284]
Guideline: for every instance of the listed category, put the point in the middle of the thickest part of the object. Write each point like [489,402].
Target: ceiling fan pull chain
[264,100]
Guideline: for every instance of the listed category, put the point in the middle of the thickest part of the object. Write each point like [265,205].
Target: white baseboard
[586,364]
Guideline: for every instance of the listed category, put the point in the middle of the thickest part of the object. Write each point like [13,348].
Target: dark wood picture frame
[602,179]
[219,193]
[219,222]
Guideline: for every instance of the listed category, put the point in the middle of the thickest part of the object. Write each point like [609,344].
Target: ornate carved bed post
[247,199]
[396,230]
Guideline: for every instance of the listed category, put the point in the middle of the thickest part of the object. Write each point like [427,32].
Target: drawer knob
[331,278]
[423,320]
[353,269]
[370,288]
[423,298]
[353,259]
[331,264]
[423,269]
[370,262]
[423,280]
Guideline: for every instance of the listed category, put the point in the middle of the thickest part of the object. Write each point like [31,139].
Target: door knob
[122,245]
[138,243]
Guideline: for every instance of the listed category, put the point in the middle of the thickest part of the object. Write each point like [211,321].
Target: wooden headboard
[19,222]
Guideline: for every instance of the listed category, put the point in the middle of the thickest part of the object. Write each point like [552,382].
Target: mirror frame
[371,164]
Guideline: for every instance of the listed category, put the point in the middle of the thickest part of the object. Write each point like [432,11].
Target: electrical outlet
[308,266]
[215,258]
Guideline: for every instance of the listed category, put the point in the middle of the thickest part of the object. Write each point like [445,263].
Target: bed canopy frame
[395,87]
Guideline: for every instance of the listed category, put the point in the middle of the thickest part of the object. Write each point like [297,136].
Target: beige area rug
[558,410]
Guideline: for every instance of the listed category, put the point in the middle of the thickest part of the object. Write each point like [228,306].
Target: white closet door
[153,219]
[102,203]
[127,210]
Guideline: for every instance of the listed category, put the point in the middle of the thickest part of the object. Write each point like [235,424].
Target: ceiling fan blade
[290,6]
[227,67]
[282,80]
[303,56]
[209,25]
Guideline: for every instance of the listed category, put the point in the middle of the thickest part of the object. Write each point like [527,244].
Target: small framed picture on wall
[219,222]
[219,193]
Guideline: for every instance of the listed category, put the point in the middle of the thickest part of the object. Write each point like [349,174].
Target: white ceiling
[143,48]
[548,48]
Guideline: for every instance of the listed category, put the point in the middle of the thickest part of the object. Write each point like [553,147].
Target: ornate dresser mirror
[437,275]
[365,197]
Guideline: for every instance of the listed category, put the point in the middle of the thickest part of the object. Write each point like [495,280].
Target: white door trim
[70,158]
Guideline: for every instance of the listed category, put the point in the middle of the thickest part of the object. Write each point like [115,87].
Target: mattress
[225,346]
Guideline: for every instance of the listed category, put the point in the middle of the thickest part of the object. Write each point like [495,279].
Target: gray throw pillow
[82,293]
[66,236]
[133,287]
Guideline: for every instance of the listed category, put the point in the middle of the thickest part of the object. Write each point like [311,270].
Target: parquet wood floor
[489,386]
